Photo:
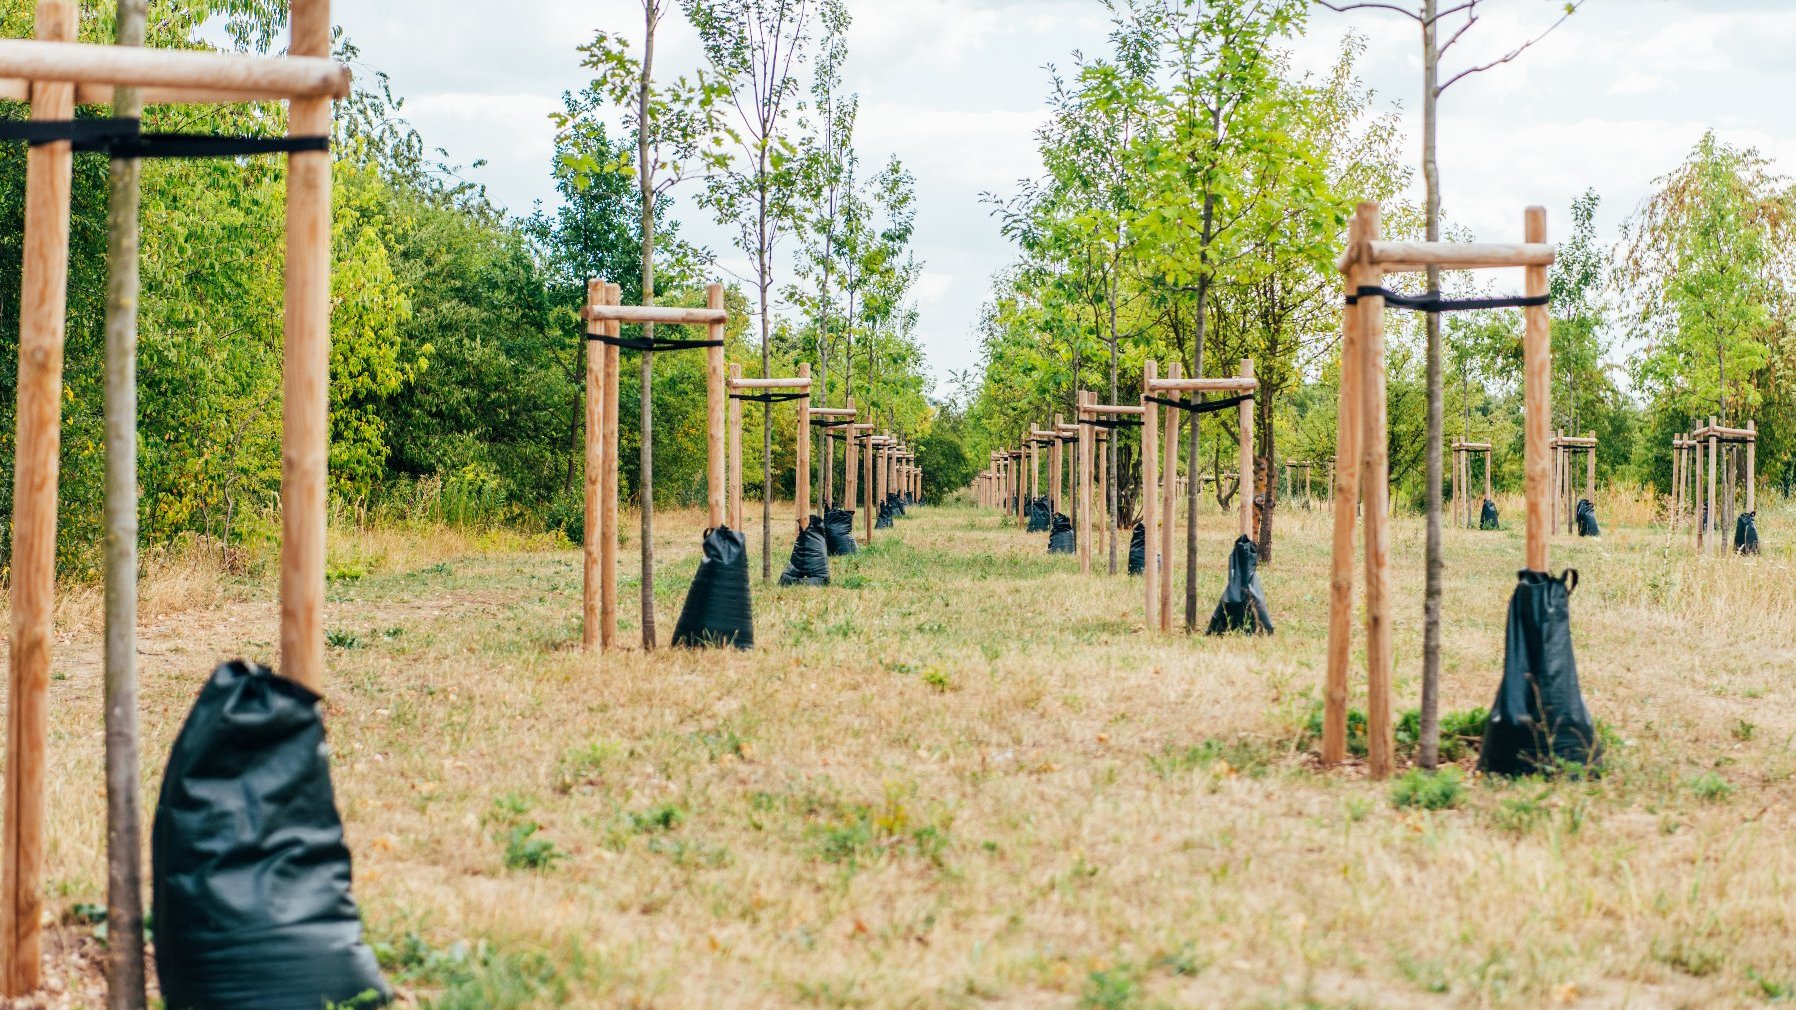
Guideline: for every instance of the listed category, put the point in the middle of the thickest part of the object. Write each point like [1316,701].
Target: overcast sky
[1611,100]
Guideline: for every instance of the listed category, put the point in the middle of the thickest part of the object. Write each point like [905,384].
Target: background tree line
[457,346]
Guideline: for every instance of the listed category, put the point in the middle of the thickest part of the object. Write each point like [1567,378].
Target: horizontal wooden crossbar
[833,412]
[802,385]
[1413,257]
[1112,408]
[1574,442]
[1722,434]
[199,73]
[668,315]
[1229,384]
[1469,447]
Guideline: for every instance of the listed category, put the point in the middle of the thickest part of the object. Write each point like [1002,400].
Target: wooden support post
[1169,517]
[1374,451]
[1056,468]
[1150,493]
[716,399]
[1752,468]
[1083,482]
[305,450]
[1712,527]
[868,489]
[1677,479]
[735,518]
[597,293]
[1345,484]
[1456,486]
[1537,367]
[1590,471]
[614,295]
[43,316]
[804,451]
[1247,468]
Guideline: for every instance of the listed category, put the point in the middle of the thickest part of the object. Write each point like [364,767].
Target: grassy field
[966,777]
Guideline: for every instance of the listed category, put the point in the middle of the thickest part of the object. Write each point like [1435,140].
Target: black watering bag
[1539,721]
[1586,516]
[884,521]
[897,503]
[1061,538]
[1746,533]
[810,558]
[1488,521]
[1243,605]
[1138,549]
[838,530]
[250,871]
[718,611]
[1041,516]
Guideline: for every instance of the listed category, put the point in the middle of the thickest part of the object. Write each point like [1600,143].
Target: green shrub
[1420,790]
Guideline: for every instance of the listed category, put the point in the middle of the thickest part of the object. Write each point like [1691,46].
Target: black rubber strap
[768,397]
[1202,406]
[829,422]
[1111,424]
[1433,302]
[654,344]
[124,138]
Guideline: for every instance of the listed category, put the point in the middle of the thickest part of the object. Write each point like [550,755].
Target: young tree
[1219,106]
[1707,268]
[674,124]
[1428,17]
[828,159]
[756,47]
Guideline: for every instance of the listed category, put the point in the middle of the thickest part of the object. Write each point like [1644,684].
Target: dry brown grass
[965,776]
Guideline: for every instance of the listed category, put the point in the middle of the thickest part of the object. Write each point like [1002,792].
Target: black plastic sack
[1539,721]
[810,558]
[1243,605]
[1061,537]
[251,873]
[884,520]
[1041,516]
[838,531]
[718,611]
[1586,516]
[1138,549]
[1746,533]
[1488,521]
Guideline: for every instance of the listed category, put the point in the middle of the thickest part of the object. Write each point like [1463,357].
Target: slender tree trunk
[1115,478]
[124,825]
[1428,750]
[766,279]
[1194,486]
[1268,455]
[645,174]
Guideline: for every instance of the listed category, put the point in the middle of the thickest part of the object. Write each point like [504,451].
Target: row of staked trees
[1195,193]
[457,344]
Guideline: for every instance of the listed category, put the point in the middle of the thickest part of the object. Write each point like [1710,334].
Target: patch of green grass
[1461,732]
[346,572]
[338,639]
[856,834]
[472,978]
[656,819]
[1420,790]
[1690,956]
[938,680]
[1240,755]
[1772,990]
[1710,787]
[583,766]
[525,851]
